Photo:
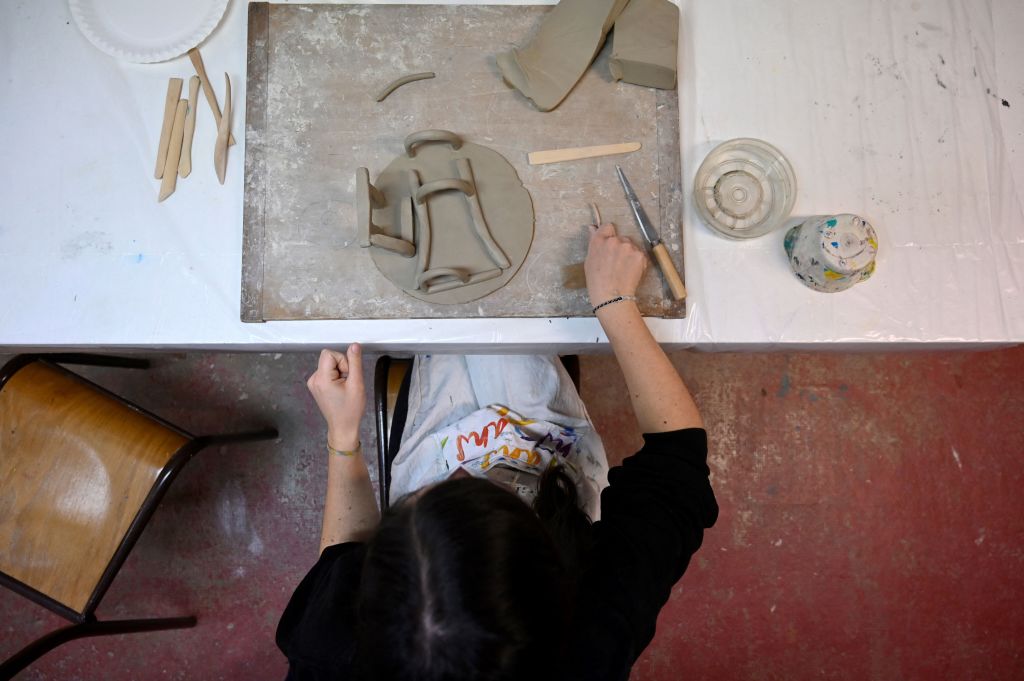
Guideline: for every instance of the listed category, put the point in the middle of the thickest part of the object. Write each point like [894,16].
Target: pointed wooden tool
[170,104]
[185,165]
[170,177]
[220,149]
[211,98]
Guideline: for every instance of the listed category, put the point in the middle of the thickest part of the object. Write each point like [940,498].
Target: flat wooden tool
[211,98]
[558,155]
[185,165]
[220,148]
[173,151]
[170,103]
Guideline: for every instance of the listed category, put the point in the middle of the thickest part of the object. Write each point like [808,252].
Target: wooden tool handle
[211,98]
[185,164]
[668,269]
[170,104]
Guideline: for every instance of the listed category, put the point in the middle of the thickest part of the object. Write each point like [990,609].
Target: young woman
[491,569]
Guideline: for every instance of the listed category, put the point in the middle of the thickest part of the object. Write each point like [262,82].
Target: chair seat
[76,465]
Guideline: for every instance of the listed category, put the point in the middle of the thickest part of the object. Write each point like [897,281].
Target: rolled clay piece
[423,224]
[428,136]
[404,80]
[170,104]
[569,38]
[442,186]
[390,243]
[424,279]
[367,198]
[477,213]
[644,45]
[454,282]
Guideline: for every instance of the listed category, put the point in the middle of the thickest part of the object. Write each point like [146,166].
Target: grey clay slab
[313,71]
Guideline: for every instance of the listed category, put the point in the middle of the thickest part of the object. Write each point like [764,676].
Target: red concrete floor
[872,523]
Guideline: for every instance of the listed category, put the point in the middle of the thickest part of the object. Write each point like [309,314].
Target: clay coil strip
[404,80]
[442,186]
[423,224]
[449,283]
[479,223]
[390,243]
[430,136]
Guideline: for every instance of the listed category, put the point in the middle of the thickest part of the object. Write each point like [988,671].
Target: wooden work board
[311,120]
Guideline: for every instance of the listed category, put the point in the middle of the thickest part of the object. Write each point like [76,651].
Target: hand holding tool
[661,256]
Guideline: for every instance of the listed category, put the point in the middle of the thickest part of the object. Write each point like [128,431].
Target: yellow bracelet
[345,452]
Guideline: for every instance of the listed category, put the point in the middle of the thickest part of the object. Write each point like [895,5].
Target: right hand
[614,265]
[337,387]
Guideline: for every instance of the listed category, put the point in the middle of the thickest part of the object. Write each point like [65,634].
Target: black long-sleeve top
[653,516]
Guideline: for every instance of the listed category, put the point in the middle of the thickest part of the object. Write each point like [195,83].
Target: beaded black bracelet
[617,299]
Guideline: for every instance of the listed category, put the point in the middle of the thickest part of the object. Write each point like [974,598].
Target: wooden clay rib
[427,136]
[477,213]
[185,164]
[537,158]
[170,177]
[211,98]
[404,80]
[423,224]
[220,150]
[170,105]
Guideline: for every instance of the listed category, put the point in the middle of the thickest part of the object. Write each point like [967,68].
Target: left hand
[337,387]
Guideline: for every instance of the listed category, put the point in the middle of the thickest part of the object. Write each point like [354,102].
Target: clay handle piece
[424,279]
[430,136]
[442,186]
[669,271]
[404,80]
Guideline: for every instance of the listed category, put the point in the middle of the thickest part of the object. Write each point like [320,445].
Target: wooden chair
[81,472]
[391,380]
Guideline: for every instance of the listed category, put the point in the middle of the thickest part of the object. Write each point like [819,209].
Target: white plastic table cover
[907,113]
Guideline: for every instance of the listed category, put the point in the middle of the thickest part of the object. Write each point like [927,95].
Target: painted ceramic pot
[831,253]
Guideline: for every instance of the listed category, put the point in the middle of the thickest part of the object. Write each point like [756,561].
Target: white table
[894,113]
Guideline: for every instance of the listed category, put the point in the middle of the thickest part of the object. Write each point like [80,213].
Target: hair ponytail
[558,507]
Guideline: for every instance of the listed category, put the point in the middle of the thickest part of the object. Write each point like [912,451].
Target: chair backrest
[76,465]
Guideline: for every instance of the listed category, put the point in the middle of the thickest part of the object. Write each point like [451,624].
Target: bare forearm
[350,509]
[659,396]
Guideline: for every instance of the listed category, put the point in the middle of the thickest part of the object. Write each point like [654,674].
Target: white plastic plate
[146,31]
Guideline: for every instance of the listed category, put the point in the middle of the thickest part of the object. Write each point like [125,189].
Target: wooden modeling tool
[558,155]
[185,165]
[170,104]
[661,256]
[211,98]
[574,276]
[170,177]
[220,149]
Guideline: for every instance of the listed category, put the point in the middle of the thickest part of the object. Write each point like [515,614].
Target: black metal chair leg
[231,438]
[96,360]
[33,651]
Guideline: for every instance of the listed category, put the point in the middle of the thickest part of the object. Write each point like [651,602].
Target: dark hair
[464,581]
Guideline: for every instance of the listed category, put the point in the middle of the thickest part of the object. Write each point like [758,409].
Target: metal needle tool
[661,256]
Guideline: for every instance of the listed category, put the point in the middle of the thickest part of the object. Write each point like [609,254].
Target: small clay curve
[395,84]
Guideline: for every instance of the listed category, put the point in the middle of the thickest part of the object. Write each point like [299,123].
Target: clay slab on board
[645,44]
[563,48]
[311,121]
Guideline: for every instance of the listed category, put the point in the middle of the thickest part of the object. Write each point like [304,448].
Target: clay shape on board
[564,46]
[469,215]
[644,44]
[399,82]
